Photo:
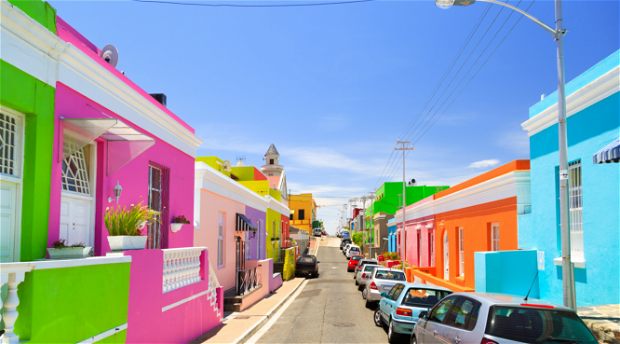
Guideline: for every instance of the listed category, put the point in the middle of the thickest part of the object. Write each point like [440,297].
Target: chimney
[160,97]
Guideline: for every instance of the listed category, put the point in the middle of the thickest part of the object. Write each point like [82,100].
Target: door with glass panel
[76,203]
[155,204]
[11,142]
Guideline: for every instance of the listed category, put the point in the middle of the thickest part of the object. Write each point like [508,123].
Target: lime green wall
[272,215]
[38,10]
[214,162]
[244,173]
[35,99]
[277,195]
[261,187]
[288,271]
[69,305]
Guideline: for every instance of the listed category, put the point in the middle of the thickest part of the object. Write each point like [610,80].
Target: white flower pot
[175,227]
[69,252]
[127,242]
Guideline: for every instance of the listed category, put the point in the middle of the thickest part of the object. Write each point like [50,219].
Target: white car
[381,281]
[346,247]
[353,249]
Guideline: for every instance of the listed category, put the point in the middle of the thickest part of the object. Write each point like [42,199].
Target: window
[247,248]
[441,310]
[258,248]
[391,275]
[75,173]
[461,253]
[399,289]
[495,237]
[575,208]
[431,244]
[220,240]
[291,217]
[302,214]
[464,314]
[158,201]
[10,142]
[391,292]
[270,161]
[424,298]
[419,248]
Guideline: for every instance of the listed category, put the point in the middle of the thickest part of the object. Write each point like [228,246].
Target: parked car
[381,281]
[363,275]
[361,263]
[495,318]
[307,265]
[324,233]
[353,261]
[317,232]
[399,308]
[344,242]
[346,247]
[345,234]
[353,249]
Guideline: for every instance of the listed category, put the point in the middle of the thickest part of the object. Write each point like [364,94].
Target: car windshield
[424,297]
[370,267]
[306,260]
[355,248]
[540,325]
[390,275]
[356,258]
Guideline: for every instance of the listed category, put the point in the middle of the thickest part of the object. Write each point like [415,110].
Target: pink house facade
[420,229]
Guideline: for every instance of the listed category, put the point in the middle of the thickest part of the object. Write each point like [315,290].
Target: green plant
[123,221]
[357,239]
[180,219]
[81,244]
[59,244]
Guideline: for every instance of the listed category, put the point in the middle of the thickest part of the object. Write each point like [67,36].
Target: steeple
[272,165]
[272,150]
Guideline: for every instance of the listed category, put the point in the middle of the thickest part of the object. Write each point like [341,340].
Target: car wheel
[369,304]
[392,336]
[360,287]
[377,317]
[365,293]
[413,339]
[356,283]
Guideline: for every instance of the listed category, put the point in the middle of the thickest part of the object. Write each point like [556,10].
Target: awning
[124,143]
[609,153]
[243,224]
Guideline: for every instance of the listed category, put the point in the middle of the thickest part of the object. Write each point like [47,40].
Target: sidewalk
[240,326]
[603,321]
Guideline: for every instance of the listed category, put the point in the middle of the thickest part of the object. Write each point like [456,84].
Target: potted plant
[60,250]
[178,222]
[124,226]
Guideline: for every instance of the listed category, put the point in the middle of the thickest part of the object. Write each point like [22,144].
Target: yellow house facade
[303,211]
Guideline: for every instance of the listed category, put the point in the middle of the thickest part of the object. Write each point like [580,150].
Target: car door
[387,302]
[461,322]
[434,321]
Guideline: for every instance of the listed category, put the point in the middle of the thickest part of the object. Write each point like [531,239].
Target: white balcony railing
[11,274]
[181,267]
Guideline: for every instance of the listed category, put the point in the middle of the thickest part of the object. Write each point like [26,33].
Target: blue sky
[334,87]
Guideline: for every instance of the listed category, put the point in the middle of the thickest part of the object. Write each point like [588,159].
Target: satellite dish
[226,165]
[110,55]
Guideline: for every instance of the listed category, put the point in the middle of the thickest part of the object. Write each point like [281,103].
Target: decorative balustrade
[181,267]
[248,279]
[11,274]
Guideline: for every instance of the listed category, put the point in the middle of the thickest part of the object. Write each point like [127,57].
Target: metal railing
[248,279]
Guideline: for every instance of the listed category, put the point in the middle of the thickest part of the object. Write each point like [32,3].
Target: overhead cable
[203,4]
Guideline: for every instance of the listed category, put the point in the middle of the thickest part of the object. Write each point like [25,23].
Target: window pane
[423,297]
[440,312]
[459,315]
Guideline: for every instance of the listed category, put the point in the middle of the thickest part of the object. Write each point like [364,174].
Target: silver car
[352,250]
[361,263]
[496,318]
[381,281]
[363,275]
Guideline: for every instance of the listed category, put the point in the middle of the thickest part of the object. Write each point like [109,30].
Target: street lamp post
[568,280]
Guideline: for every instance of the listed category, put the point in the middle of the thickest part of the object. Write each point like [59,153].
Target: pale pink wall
[264,266]
[211,204]
[412,240]
[146,323]
[133,177]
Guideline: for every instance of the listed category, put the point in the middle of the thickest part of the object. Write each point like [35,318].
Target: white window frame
[221,231]
[432,248]
[461,253]
[495,237]
[16,177]
[575,197]
[258,255]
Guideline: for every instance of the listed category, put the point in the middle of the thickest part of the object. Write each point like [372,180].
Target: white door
[7,220]
[446,256]
[75,224]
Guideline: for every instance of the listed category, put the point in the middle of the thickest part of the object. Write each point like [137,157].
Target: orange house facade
[445,230]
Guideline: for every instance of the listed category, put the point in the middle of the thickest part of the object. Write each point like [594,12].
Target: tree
[357,239]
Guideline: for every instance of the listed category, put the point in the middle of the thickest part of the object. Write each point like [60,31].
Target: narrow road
[329,309]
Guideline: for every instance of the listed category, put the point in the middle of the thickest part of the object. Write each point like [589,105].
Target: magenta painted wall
[133,177]
[146,323]
[254,216]
[68,34]
[211,204]
[412,240]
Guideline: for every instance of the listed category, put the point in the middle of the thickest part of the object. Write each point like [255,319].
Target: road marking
[256,337]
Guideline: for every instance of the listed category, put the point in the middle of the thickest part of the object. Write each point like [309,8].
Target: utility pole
[371,197]
[404,146]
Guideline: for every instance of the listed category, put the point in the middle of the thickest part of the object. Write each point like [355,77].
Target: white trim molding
[104,335]
[578,263]
[208,178]
[66,263]
[597,90]
[188,299]
[277,206]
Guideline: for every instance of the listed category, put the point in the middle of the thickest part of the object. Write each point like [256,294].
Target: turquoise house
[392,238]
[593,122]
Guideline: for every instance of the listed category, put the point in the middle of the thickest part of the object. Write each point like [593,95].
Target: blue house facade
[593,122]
[392,244]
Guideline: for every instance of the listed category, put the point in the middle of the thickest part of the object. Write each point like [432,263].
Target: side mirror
[384,294]
[317,262]
[422,314]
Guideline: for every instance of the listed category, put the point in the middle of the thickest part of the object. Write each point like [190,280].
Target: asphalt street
[329,309]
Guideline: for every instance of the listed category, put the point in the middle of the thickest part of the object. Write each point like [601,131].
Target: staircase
[212,294]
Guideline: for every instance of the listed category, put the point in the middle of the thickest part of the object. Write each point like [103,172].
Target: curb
[251,331]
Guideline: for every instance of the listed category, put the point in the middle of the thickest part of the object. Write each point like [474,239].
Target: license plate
[387,288]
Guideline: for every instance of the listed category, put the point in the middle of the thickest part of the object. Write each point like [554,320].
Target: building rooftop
[272,150]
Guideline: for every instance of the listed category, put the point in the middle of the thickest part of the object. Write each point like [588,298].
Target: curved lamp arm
[544,26]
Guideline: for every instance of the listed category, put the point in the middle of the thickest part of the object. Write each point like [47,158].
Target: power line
[251,5]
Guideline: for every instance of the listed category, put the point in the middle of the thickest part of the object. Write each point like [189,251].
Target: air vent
[160,97]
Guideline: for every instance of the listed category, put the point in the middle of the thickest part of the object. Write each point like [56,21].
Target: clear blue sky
[334,86]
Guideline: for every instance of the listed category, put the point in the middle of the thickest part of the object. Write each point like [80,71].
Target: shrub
[122,221]
[357,239]
[180,219]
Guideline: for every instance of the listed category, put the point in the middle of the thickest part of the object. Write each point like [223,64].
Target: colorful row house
[593,125]
[443,231]
[303,211]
